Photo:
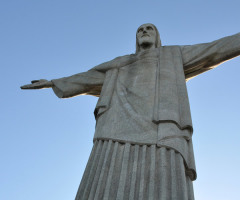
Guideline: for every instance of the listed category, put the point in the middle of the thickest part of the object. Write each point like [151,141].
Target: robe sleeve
[200,58]
[86,83]
[90,82]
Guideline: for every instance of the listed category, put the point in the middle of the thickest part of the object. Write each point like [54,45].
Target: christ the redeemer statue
[143,140]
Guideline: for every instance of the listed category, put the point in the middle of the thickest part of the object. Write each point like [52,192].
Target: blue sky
[45,141]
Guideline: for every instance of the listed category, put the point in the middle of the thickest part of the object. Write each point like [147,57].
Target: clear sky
[45,141]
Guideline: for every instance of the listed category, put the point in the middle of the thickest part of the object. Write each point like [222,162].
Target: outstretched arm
[86,83]
[200,58]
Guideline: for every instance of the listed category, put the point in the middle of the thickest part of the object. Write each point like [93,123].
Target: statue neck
[146,46]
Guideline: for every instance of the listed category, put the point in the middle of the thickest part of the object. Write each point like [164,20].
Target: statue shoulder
[115,63]
[123,58]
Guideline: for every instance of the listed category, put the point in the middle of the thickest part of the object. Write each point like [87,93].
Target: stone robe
[143,97]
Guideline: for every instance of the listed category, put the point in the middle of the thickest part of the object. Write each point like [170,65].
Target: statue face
[146,35]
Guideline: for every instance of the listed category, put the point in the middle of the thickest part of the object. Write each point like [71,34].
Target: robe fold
[143,97]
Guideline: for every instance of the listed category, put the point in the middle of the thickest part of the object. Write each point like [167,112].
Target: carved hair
[157,43]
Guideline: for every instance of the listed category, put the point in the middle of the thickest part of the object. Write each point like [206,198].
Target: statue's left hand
[38,84]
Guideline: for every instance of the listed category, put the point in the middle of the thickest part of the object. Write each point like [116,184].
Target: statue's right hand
[38,84]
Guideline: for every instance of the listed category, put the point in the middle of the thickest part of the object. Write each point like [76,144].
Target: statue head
[147,34]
